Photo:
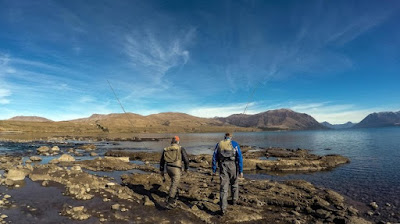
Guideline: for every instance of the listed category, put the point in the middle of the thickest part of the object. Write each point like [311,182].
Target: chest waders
[228,173]
[173,159]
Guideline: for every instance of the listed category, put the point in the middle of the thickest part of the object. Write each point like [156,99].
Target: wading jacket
[182,156]
[238,157]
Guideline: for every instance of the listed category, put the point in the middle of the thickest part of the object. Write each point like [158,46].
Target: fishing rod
[123,109]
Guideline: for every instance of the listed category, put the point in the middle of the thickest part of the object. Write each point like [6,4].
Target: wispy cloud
[224,110]
[4,93]
[154,56]
[310,46]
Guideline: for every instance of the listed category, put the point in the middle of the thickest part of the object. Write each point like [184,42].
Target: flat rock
[17,174]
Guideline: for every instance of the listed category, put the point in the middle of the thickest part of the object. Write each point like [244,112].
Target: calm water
[372,175]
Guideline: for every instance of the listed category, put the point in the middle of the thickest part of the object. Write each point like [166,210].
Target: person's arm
[162,162]
[215,159]
[185,158]
[239,158]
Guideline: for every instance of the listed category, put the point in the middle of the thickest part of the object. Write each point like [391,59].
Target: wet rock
[28,161]
[35,158]
[45,183]
[9,182]
[76,213]
[322,213]
[66,158]
[89,147]
[352,211]
[93,154]
[17,174]
[120,159]
[76,168]
[43,149]
[374,205]
[104,164]
[147,201]
[115,206]
[78,192]
[55,149]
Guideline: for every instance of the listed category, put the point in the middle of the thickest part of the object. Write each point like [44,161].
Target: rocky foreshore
[268,159]
[85,190]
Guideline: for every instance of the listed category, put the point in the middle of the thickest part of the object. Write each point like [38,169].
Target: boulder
[121,159]
[374,205]
[147,201]
[17,174]
[43,149]
[93,154]
[88,148]
[55,149]
[76,168]
[66,158]
[35,158]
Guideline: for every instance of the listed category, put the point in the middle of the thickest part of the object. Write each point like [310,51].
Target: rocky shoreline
[139,196]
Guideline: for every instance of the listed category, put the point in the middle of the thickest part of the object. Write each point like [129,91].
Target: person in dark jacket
[172,158]
[229,158]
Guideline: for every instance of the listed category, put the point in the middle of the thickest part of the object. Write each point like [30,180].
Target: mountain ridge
[30,118]
[279,119]
[338,126]
[380,119]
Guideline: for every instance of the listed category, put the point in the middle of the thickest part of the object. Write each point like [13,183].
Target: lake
[372,175]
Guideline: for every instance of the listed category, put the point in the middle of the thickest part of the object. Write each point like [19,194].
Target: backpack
[226,150]
[171,154]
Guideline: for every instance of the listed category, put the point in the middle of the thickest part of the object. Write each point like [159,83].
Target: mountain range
[338,126]
[382,119]
[280,119]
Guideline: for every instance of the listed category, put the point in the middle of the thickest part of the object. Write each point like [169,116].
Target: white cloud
[224,110]
[334,113]
[86,99]
[156,55]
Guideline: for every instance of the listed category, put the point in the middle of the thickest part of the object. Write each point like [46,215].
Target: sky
[335,60]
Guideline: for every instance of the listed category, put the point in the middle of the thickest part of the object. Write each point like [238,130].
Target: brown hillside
[283,119]
[30,118]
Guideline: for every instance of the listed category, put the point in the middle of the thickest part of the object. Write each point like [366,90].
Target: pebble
[115,206]
[374,205]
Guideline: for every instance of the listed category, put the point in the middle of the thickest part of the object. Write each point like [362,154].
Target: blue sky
[335,60]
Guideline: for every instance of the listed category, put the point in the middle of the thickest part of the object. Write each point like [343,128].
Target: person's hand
[241,175]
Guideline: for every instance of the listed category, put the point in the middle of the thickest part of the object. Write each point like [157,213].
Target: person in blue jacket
[229,158]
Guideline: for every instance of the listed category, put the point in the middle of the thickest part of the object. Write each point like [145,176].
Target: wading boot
[171,203]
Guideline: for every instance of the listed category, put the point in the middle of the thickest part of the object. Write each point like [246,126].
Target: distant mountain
[381,119]
[338,126]
[30,118]
[282,119]
[168,119]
